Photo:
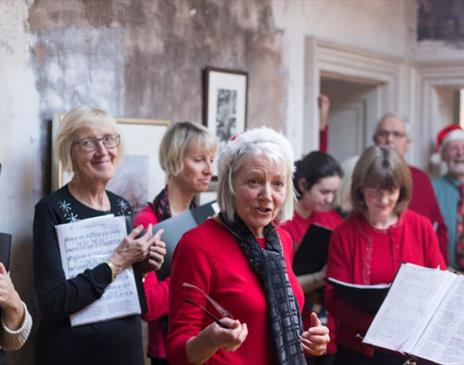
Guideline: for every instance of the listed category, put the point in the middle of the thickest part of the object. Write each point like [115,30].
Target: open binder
[368,298]
[422,316]
[175,227]
[5,248]
[312,253]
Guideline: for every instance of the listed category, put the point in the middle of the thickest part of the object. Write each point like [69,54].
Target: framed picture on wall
[225,102]
[139,176]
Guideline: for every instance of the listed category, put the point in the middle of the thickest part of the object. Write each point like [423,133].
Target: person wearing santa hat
[392,131]
[449,190]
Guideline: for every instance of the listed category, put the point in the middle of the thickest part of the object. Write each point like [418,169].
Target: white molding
[389,73]
[431,75]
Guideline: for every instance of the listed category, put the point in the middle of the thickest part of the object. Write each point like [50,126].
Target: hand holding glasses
[220,309]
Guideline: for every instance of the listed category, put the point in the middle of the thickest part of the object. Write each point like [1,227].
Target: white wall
[379,26]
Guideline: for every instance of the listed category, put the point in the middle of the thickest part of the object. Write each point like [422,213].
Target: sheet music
[443,340]
[412,299]
[87,243]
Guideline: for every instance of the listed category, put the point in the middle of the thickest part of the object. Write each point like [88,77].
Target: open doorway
[353,114]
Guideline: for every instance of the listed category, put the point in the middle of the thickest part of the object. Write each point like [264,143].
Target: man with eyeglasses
[392,131]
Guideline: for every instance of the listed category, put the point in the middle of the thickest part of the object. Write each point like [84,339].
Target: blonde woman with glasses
[89,145]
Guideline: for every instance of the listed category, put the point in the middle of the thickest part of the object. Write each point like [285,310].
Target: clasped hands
[148,249]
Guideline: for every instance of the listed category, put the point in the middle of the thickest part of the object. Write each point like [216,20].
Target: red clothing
[298,225]
[157,295]
[361,254]
[324,139]
[209,257]
[297,228]
[424,201]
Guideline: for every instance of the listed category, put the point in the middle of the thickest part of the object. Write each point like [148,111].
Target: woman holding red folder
[316,180]
[369,247]
[186,155]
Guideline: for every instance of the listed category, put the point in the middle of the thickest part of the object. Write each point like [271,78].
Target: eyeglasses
[220,309]
[383,133]
[91,144]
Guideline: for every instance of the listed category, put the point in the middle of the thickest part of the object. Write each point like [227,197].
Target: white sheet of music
[443,340]
[84,245]
[411,301]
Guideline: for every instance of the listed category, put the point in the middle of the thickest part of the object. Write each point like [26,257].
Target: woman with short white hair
[242,260]
[88,144]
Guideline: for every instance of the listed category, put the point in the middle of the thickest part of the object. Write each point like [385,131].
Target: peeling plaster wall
[20,183]
[144,58]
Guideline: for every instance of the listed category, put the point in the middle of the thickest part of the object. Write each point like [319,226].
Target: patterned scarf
[161,205]
[269,266]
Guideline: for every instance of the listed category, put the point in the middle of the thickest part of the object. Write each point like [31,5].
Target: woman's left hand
[13,308]
[314,341]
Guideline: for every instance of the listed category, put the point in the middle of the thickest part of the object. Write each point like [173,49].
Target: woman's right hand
[214,337]
[230,338]
[133,249]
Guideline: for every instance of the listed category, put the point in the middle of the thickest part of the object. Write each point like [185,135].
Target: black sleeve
[58,297]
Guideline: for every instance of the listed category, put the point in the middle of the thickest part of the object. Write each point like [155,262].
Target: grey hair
[407,125]
[261,141]
[77,118]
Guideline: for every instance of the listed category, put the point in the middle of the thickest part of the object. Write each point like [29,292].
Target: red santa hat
[452,132]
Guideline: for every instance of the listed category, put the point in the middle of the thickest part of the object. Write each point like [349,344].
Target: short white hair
[261,141]
[390,115]
[77,118]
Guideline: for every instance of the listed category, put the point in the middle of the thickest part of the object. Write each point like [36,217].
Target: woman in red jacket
[316,179]
[242,260]
[369,247]
[186,154]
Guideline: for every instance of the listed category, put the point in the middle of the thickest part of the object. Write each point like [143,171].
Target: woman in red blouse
[369,247]
[186,154]
[316,179]
[243,261]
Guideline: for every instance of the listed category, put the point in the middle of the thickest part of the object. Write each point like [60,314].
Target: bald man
[393,131]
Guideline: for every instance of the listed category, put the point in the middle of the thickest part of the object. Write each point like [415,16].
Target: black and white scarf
[269,265]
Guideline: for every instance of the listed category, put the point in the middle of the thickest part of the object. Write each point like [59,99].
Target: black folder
[5,248]
[368,298]
[175,227]
[312,253]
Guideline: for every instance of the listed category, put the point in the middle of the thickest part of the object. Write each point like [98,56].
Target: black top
[116,341]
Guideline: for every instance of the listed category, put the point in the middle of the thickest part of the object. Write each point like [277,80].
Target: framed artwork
[225,103]
[139,176]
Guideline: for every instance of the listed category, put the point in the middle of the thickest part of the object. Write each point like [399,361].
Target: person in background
[450,190]
[369,247]
[392,131]
[242,260]
[16,320]
[343,198]
[316,180]
[88,144]
[324,107]
[186,155]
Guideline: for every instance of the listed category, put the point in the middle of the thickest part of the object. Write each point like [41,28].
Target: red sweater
[209,257]
[424,201]
[297,228]
[157,295]
[361,254]
[298,225]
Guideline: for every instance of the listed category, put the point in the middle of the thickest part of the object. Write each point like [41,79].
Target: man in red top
[393,131]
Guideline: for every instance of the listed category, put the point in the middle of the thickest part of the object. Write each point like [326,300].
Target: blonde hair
[254,142]
[382,168]
[175,142]
[77,118]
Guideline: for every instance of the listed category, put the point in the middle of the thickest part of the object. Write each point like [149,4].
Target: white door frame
[429,76]
[391,74]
